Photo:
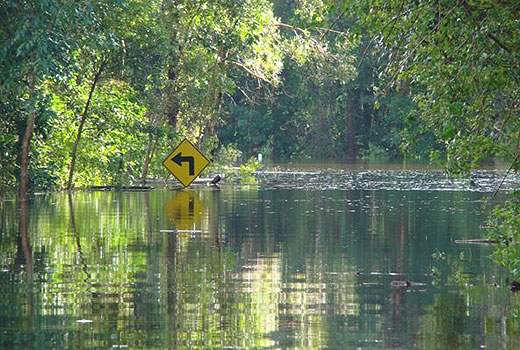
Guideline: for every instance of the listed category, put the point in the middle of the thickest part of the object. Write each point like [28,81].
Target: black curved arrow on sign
[179,159]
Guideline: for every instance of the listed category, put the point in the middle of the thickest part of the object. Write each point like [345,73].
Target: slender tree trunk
[351,130]
[171,102]
[82,123]
[172,99]
[150,147]
[213,98]
[24,159]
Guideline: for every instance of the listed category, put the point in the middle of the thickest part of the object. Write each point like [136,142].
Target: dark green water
[295,261]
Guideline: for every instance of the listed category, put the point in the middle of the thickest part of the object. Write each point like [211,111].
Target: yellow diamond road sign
[186,162]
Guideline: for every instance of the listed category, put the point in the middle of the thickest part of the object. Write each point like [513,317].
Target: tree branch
[469,12]
[295,29]
[407,57]
[329,29]
[252,73]
[389,22]
[515,160]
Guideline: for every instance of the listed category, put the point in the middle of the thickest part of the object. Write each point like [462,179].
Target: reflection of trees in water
[262,269]
[29,264]
[446,325]
[76,235]
[24,237]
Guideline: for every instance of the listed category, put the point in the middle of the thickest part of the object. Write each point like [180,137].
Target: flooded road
[290,260]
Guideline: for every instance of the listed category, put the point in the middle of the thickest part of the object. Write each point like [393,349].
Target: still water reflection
[252,267]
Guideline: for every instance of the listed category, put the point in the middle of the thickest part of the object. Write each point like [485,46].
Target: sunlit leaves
[459,60]
[113,137]
[504,227]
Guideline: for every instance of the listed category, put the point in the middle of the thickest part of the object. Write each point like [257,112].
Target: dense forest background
[98,92]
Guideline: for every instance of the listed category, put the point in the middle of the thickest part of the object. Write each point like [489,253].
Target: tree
[326,105]
[111,49]
[302,113]
[459,60]
[112,141]
[36,40]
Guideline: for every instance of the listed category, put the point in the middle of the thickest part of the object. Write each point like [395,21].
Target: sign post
[186,162]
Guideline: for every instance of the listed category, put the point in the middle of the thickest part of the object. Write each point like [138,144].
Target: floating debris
[405,284]
[476,241]
[400,284]
[216,180]
[84,321]
[182,231]
[120,188]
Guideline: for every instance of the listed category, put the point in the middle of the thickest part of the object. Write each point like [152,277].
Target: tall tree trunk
[24,159]
[155,120]
[150,148]
[172,100]
[351,129]
[214,111]
[214,97]
[82,123]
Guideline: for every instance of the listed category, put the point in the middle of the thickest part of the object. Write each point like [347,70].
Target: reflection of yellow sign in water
[186,162]
[185,210]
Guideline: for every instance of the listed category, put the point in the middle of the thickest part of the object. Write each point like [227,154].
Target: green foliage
[329,95]
[459,61]
[228,155]
[36,39]
[250,129]
[251,165]
[227,68]
[504,227]
[112,141]
[9,147]
[314,79]
[216,43]
[374,152]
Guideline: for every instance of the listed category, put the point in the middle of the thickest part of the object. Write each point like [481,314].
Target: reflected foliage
[252,267]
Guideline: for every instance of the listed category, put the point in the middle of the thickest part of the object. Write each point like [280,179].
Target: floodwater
[319,259]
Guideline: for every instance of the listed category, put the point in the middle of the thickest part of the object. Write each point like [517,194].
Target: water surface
[293,260]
